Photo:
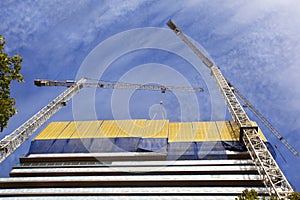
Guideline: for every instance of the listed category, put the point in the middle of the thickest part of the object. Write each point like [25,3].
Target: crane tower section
[273,178]
[236,110]
[12,141]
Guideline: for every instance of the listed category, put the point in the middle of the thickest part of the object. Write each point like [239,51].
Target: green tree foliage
[253,195]
[248,195]
[9,70]
[294,196]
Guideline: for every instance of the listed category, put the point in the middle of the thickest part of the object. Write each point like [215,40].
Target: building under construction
[144,159]
[135,158]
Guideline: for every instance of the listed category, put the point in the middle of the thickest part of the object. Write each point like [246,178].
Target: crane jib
[274,179]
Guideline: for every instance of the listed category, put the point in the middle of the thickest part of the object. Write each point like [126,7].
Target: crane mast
[12,141]
[263,120]
[273,178]
[235,109]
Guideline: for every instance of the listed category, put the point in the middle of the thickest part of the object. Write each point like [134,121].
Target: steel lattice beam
[273,178]
[12,141]
[105,85]
[263,120]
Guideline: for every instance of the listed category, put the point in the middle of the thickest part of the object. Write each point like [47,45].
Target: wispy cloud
[256,44]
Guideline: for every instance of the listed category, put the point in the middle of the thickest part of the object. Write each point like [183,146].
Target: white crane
[90,83]
[12,141]
[246,103]
[273,178]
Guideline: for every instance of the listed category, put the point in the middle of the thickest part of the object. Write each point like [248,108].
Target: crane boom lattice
[264,120]
[273,178]
[12,141]
[105,85]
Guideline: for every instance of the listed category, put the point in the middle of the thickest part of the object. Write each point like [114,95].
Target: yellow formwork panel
[156,129]
[46,132]
[180,132]
[84,128]
[125,127]
[260,132]
[175,131]
[138,127]
[235,129]
[205,131]
[226,131]
[108,129]
[77,131]
[130,128]
[68,131]
[91,128]
[52,131]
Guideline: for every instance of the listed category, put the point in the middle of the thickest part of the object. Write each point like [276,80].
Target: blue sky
[255,43]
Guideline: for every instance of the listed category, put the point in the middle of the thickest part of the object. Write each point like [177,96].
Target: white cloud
[256,43]
[115,10]
[23,20]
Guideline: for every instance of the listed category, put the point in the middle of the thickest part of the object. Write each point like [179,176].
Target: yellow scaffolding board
[78,131]
[108,129]
[68,131]
[226,131]
[260,132]
[235,129]
[52,131]
[138,127]
[205,131]
[85,127]
[131,128]
[181,132]
[174,131]
[156,129]
[91,128]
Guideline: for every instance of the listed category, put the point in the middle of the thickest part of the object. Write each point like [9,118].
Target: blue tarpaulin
[174,150]
[182,151]
[153,145]
[101,145]
[75,146]
[128,144]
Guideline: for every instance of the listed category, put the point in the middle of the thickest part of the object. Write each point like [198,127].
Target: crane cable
[263,120]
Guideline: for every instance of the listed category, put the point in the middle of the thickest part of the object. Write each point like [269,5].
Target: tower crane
[90,83]
[12,141]
[272,176]
[105,85]
[246,103]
